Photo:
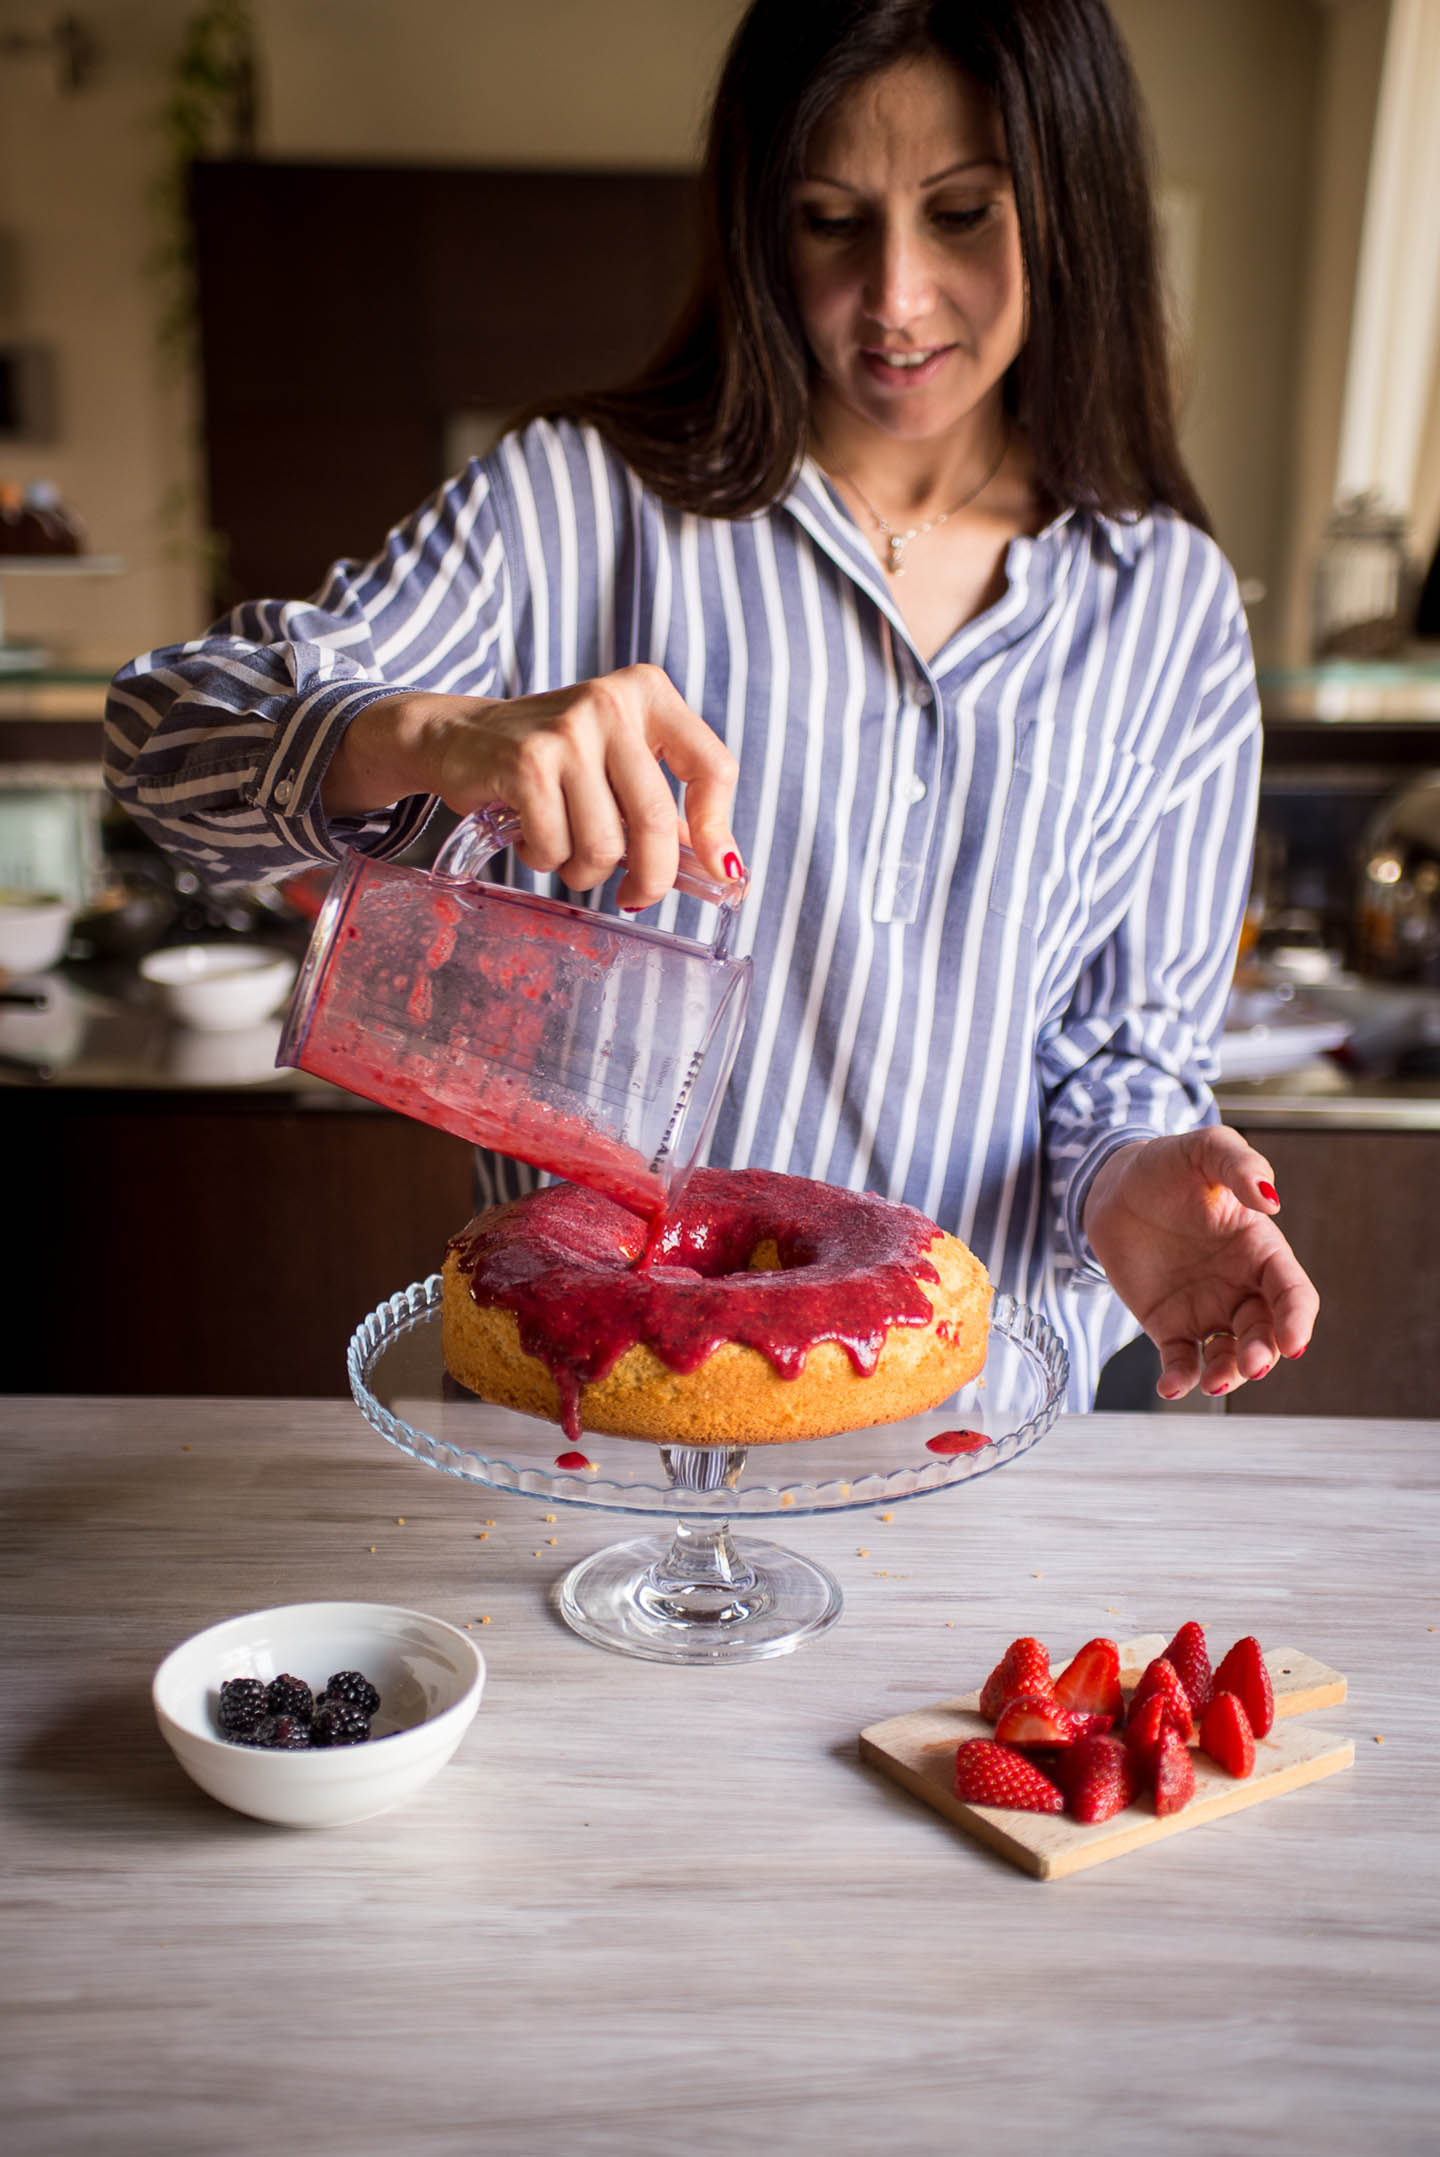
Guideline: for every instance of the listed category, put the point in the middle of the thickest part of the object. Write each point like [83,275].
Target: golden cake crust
[735,1396]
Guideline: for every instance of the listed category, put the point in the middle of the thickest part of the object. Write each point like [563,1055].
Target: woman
[892,560]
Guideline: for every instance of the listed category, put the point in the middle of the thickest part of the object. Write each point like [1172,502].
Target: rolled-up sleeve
[1135,1053]
[218,748]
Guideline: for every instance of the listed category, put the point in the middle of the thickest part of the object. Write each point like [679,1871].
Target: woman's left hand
[1184,1229]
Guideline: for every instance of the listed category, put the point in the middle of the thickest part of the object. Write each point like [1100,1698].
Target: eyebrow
[968,164]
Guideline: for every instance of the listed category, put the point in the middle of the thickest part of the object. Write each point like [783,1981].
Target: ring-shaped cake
[769,1308]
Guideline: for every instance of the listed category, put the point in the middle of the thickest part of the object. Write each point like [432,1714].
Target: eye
[830,228]
[963,220]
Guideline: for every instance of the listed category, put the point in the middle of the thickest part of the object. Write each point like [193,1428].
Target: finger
[1179,1369]
[1233,1161]
[652,822]
[702,763]
[1293,1300]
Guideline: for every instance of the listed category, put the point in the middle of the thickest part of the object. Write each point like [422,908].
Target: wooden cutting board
[918,1752]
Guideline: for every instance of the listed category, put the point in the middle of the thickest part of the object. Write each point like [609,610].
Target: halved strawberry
[1147,1726]
[987,1773]
[1086,1725]
[1189,1658]
[1090,1681]
[1023,1668]
[1099,1778]
[1162,1677]
[1225,1734]
[1035,1719]
[1243,1673]
[1174,1774]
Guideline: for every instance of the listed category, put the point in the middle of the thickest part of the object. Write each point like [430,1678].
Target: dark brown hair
[716,423]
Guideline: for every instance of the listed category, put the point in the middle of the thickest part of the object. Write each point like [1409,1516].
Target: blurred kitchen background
[269,271]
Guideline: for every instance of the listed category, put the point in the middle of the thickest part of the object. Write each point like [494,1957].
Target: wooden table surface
[654,1910]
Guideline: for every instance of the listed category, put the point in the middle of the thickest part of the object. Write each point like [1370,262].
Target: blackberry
[242,1704]
[281,1734]
[339,1722]
[349,1685]
[290,1696]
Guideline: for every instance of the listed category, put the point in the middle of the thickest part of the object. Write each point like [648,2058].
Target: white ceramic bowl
[429,1677]
[217,987]
[34,930]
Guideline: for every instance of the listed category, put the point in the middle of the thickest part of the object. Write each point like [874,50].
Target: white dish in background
[428,1674]
[34,930]
[217,987]
[1268,1032]
[232,1056]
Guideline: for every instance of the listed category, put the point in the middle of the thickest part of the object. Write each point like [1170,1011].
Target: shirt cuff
[286,788]
[1087,1269]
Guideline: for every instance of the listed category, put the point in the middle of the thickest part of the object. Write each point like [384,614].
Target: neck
[910,480]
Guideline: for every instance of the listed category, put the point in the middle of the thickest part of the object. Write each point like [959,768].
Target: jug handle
[478,837]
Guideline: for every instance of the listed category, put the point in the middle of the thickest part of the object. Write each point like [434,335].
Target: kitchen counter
[650,1908]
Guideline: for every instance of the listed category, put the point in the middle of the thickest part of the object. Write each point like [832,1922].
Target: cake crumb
[949,1625]
[484,1621]
[1379,1738]
[186,1449]
[547,1516]
[372,1550]
[399,1520]
[491,1524]
[787,1497]
[552,1540]
[483,1536]
[1039,1576]
[886,1516]
[863,1551]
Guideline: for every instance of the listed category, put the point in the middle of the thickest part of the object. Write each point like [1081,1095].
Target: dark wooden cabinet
[211,1244]
[1362,1212]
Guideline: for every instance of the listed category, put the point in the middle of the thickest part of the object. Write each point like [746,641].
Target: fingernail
[1269,1193]
[1299,1353]
[734,867]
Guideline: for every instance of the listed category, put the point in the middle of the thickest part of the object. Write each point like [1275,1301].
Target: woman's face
[905,251]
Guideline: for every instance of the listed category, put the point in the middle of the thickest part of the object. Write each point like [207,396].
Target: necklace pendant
[896,543]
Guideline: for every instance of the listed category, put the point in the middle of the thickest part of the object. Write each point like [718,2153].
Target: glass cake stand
[698,1594]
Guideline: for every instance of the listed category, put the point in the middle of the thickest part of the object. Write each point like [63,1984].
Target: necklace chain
[897,542]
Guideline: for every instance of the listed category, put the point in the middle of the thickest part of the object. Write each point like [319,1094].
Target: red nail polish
[1299,1353]
[734,867]
[1269,1193]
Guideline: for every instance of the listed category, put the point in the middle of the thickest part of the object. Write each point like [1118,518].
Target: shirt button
[283,791]
[913,789]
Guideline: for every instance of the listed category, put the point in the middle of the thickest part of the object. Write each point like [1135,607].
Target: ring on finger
[1220,1333]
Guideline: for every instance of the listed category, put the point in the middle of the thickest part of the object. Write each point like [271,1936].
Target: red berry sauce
[957,1442]
[565,1261]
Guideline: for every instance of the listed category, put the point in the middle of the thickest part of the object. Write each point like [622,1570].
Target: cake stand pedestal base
[702,1597]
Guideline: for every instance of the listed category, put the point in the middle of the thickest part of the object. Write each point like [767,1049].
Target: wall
[1235,88]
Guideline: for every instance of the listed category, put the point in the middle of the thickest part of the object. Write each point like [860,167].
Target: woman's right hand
[580,766]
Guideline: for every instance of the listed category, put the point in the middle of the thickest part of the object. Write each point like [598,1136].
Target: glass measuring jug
[585,1044]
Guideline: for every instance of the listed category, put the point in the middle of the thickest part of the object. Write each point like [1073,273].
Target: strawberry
[1086,1725]
[1189,1658]
[987,1773]
[1147,1726]
[1035,1719]
[1090,1681]
[1225,1734]
[1023,1668]
[1243,1673]
[1162,1677]
[1099,1778]
[1174,1774]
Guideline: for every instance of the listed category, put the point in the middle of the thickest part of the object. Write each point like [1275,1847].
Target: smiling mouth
[906,365]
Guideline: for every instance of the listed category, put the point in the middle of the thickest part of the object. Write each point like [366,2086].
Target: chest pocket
[1050,848]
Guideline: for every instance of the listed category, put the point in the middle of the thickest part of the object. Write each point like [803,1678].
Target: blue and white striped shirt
[994,894]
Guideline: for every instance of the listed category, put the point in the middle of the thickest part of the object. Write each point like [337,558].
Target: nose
[899,284]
